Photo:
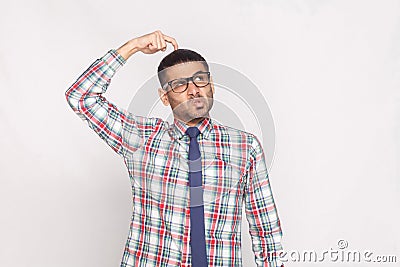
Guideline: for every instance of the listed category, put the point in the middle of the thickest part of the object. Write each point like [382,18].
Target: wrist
[128,49]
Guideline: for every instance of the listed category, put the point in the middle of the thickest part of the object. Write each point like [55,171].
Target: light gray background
[329,70]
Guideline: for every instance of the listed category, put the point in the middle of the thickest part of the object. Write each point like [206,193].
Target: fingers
[158,39]
[153,42]
[163,44]
[161,38]
[171,40]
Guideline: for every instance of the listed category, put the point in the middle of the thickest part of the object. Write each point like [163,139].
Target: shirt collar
[204,126]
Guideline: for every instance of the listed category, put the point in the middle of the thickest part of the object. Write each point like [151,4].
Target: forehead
[183,70]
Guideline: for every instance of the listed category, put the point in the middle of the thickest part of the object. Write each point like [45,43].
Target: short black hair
[176,57]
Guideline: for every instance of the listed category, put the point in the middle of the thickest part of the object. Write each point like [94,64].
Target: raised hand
[148,44]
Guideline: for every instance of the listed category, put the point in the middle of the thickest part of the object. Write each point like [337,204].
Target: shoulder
[143,123]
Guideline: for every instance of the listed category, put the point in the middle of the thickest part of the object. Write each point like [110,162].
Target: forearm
[128,49]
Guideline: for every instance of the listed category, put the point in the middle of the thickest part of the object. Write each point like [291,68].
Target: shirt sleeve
[261,212]
[121,130]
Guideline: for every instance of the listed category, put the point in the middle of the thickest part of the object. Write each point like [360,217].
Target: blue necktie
[197,230]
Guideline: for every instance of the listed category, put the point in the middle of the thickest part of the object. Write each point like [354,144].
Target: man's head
[195,102]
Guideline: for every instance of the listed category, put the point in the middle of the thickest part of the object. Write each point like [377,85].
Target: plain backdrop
[330,71]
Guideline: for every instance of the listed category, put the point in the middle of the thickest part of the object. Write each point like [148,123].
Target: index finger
[171,40]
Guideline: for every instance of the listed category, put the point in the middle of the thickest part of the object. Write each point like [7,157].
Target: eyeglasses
[200,79]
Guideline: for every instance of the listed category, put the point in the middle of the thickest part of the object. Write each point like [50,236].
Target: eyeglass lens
[200,80]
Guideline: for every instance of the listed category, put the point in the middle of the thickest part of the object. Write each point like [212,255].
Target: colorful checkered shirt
[155,153]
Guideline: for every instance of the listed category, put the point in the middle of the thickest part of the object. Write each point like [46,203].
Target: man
[189,179]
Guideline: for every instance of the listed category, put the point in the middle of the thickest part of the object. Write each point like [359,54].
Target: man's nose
[192,88]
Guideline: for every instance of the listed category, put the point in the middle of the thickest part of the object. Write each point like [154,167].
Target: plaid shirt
[155,153]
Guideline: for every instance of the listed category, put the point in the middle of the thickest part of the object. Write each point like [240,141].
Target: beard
[193,108]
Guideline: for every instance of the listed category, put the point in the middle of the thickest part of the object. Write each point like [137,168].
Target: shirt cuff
[114,60]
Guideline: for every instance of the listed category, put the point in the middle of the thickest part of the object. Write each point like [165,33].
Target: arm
[86,100]
[121,130]
[261,212]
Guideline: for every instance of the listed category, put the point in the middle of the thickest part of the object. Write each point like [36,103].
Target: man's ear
[163,96]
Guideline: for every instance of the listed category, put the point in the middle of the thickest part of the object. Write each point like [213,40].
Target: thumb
[151,46]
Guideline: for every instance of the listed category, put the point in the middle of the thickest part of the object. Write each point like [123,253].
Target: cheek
[210,94]
[175,101]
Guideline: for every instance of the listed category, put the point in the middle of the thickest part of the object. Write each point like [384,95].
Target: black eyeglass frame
[187,80]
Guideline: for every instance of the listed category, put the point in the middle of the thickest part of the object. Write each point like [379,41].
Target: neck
[194,121]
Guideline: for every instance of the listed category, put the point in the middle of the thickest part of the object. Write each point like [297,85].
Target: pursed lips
[197,101]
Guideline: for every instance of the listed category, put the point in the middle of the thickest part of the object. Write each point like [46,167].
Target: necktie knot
[192,132]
